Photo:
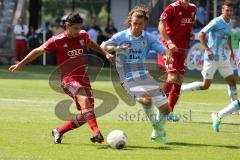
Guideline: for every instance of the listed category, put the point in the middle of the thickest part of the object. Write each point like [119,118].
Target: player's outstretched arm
[30,57]
[202,38]
[163,32]
[94,46]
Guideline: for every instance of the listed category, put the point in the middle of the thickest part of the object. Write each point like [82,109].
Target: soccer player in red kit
[175,27]
[68,46]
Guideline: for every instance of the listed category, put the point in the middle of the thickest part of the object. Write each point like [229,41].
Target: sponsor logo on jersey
[186,21]
[75,53]
[193,14]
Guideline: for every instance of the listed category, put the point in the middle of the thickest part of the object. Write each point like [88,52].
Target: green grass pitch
[27,116]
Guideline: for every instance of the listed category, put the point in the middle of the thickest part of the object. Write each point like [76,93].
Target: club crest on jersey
[193,14]
[180,13]
[82,42]
[65,45]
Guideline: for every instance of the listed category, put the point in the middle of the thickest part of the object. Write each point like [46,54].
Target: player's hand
[168,57]
[173,48]
[121,48]
[210,54]
[192,35]
[15,67]
[111,58]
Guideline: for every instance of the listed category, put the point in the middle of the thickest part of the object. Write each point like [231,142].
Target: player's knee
[83,101]
[176,79]
[173,79]
[145,100]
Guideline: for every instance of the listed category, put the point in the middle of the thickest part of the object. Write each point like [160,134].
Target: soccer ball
[117,139]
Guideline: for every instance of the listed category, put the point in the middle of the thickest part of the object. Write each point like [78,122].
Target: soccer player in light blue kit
[216,58]
[132,46]
[229,109]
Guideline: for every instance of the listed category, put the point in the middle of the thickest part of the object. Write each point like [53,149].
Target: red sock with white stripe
[90,118]
[75,122]
[174,95]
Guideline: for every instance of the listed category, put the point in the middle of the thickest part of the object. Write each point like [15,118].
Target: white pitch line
[28,101]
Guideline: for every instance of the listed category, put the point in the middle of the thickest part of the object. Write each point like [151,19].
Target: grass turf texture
[27,116]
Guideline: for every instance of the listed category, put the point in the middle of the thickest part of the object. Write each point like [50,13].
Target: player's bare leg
[204,85]
[89,116]
[232,89]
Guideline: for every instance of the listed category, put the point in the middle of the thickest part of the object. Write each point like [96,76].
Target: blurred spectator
[2,4]
[57,27]
[51,58]
[103,16]
[101,38]
[93,34]
[20,31]
[94,30]
[110,28]
[200,15]
[235,38]
[237,8]
[34,41]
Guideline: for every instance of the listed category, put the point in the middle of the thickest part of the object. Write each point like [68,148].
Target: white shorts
[139,87]
[210,67]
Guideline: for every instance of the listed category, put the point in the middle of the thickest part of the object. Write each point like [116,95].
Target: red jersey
[179,22]
[69,53]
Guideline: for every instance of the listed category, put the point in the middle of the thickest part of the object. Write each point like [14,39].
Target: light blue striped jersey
[131,63]
[218,33]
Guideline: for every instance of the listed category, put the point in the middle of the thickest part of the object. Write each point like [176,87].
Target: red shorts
[21,49]
[177,65]
[72,86]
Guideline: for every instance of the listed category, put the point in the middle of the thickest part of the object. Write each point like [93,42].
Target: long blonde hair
[139,12]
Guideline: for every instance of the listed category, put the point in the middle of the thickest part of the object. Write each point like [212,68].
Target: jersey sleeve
[50,45]
[113,40]
[156,45]
[167,14]
[208,28]
[85,35]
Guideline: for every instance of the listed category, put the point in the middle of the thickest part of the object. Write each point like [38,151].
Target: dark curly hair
[139,12]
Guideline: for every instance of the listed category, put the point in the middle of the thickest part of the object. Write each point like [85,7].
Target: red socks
[174,95]
[76,122]
[90,118]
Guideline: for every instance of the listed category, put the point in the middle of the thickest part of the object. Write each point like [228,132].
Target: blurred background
[102,18]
